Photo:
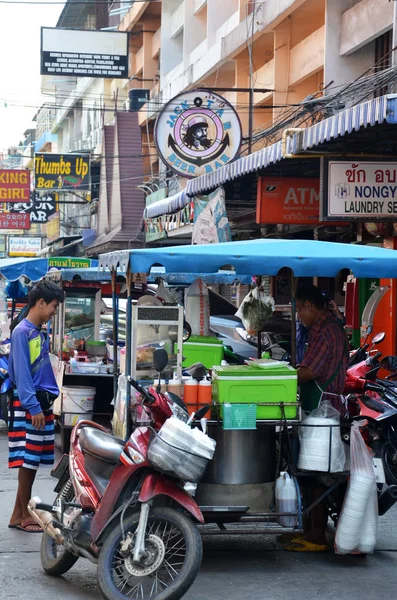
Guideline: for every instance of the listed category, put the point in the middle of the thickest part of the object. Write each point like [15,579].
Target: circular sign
[197,132]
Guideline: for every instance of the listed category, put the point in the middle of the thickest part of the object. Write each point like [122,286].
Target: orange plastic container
[190,395]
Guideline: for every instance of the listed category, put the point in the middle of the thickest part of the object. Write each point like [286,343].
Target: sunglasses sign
[197,132]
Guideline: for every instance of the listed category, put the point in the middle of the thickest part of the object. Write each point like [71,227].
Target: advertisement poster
[288,200]
[41,206]
[84,53]
[14,221]
[211,224]
[359,190]
[53,227]
[197,132]
[14,185]
[61,171]
[23,246]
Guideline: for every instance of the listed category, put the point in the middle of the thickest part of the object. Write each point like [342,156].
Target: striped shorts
[27,446]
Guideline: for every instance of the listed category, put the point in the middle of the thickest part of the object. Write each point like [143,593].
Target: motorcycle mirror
[187,331]
[389,363]
[369,330]
[160,359]
[378,338]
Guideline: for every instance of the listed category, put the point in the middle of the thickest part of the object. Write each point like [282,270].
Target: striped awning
[365,114]
[166,206]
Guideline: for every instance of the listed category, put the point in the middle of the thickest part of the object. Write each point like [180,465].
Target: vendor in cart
[321,376]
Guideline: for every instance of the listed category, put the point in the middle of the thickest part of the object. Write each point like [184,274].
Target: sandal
[29,527]
[301,545]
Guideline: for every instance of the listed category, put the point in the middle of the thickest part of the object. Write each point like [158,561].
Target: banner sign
[23,246]
[197,132]
[61,171]
[68,262]
[288,200]
[358,190]
[40,207]
[14,185]
[53,227]
[10,221]
[84,53]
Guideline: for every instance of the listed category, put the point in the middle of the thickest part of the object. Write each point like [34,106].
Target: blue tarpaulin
[263,257]
[14,268]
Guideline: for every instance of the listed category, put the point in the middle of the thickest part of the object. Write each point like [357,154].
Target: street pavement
[252,568]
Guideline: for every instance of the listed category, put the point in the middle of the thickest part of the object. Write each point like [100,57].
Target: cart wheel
[66,432]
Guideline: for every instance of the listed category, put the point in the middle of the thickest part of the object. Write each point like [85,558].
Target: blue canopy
[14,268]
[262,257]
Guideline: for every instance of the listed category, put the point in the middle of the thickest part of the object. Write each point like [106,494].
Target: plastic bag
[165,294]
[357,526]
[321,446]
[255,310]
[197,308]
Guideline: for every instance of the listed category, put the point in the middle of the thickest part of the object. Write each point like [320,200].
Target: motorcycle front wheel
[174,552]
[389,459]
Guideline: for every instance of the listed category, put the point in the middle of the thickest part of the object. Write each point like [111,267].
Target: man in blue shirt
[31,421]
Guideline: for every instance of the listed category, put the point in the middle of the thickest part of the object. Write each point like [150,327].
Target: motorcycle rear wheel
[118,577]
[55,559]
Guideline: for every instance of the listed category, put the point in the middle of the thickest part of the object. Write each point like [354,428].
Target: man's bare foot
[14,523]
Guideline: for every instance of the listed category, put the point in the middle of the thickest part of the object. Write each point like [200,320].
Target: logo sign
[288,200]
[69,262]
[62,171]
[84,53]
[23,246]
[40,207]
[197,132]
[14,185]
[359,190]
[10,221]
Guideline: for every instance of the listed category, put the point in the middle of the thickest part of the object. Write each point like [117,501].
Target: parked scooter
[364,352]
[114,508]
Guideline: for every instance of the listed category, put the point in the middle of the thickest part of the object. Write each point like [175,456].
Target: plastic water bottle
[286,499]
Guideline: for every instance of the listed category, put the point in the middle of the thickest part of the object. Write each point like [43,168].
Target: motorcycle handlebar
[148,397]
[372,387]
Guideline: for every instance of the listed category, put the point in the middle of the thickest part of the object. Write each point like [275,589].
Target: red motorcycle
[376,401]
[117,510]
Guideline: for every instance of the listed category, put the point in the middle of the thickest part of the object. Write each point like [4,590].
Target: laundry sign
[358,190]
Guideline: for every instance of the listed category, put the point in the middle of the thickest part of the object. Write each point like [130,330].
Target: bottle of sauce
[204,392]
[175,385]
[190,395]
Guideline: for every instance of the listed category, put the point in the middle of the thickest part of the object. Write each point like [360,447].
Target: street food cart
[238,484]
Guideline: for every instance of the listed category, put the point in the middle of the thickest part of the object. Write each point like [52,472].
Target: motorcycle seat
[100,444]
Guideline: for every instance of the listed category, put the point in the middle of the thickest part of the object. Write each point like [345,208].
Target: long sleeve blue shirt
[30,366]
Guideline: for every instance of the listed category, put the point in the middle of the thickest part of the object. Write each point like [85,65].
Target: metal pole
[115,329]
[250,119]
[128,350]
[293,319]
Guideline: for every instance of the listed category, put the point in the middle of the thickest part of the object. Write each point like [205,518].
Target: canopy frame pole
[128,349]
[115,329]
[294,285]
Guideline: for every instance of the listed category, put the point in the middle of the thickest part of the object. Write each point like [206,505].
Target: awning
[264,257]
[32,268]
[363,115]
[166,206]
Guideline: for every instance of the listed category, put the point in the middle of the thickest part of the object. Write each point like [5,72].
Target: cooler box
[235,384]
[206,350]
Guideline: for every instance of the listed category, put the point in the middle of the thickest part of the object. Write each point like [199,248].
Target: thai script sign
[14,185]
[23,246]
[359,190]
[61,171]
[197,132]
[288,200]
[67,262]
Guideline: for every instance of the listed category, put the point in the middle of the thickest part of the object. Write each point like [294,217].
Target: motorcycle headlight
[178,412]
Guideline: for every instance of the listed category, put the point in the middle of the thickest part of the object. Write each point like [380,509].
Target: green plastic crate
[235,384]
[207,350]
[238,416]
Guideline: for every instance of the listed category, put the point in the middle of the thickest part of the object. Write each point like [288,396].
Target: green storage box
[237,384]
[206,350]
